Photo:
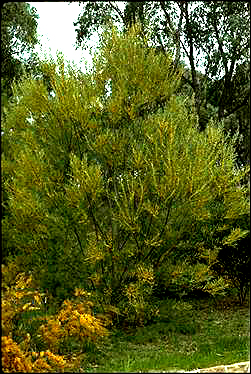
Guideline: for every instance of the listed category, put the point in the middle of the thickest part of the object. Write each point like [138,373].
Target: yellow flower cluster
[132,292]
[8,313]
[72,320]
[80,292]
[13,359]
[59,360]
[46,361]
[52,333]
[146,275]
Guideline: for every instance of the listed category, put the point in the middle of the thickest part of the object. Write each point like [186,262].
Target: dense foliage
[106,174]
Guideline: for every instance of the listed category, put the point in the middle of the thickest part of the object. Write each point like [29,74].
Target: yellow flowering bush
[18,297]
[16,360]
[13,359]
[72,321]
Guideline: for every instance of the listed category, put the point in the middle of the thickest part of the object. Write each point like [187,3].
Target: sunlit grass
[188,335]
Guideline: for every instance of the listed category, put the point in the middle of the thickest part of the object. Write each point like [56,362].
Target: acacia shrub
[100,193]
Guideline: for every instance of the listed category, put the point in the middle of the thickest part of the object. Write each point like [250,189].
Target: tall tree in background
[214,36]
[134,11]
[220,32]
[18,36]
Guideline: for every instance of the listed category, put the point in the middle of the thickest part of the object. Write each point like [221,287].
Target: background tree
[236,109]
[221,35]
[18,36]
[227,45]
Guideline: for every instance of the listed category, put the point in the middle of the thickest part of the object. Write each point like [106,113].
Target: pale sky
[57,32]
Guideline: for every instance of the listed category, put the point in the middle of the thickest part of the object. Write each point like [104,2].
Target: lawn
[187,335]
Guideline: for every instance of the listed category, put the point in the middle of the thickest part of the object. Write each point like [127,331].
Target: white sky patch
[57,32]
[30,119]
[108,88]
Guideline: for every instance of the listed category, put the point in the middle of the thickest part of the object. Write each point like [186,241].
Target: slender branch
[124,242]
[183,46]
[149,253]
[157,263]
[190,40]
[114,7]
[149,227]
[163,228]
[77,137]
[137,243]
[207,66]
[110,206]
[220,44]
[167,17]
[122,275]
[78,239]
[97,298]
[96,225]
[178,32]
[103,271]
[231,69]
[160,42]
[175,33]
[167,216]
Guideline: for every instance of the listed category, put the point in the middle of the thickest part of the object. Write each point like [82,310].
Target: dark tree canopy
[18,35]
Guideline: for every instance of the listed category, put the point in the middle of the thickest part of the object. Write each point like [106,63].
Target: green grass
[188,335]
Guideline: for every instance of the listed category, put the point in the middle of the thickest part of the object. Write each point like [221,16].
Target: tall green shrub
[102,183]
